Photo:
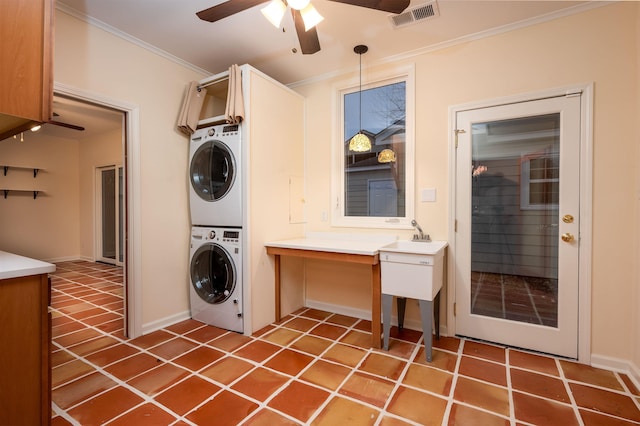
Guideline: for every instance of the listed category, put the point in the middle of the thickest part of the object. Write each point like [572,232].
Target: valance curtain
[191,107]
[234,112]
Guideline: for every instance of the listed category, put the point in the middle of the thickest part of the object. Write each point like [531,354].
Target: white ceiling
[171,27]
[247,37]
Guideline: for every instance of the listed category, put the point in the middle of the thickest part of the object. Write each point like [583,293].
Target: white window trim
[525,185]
[338,219]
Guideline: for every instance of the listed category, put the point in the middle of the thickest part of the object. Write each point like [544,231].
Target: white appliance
[215,190]
[216,277]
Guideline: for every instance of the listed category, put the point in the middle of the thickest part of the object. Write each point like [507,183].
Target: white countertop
[13,266]
[336,243]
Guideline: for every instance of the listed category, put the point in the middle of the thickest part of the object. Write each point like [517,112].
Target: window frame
[526,181]
[373,79]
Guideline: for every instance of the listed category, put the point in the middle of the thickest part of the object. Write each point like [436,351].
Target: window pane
[373,188]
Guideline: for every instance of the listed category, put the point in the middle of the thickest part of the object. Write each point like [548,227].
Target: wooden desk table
[339,250]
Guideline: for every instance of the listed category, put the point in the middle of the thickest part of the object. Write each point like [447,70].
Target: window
[540,182]
[369,192]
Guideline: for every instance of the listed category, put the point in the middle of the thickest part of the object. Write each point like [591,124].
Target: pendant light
[387,156]
[360,142]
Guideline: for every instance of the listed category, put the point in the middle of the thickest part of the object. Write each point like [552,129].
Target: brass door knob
[567,237]
[567,218]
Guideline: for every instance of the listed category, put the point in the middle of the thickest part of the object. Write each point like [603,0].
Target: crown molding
[128,37]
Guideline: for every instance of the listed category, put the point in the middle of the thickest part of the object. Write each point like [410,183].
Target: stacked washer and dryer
[216,205]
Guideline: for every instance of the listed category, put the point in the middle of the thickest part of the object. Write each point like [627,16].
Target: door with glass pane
[517,210]
[110,215]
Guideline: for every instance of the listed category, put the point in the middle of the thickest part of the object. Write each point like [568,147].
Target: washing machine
[215,190]
[216,277]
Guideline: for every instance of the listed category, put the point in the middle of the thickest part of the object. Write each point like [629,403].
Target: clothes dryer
[215,190]
[216,277]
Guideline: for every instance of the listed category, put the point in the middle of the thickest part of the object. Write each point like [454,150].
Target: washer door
[212,170]
[213,273]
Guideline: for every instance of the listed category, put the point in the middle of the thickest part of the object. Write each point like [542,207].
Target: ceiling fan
[305,16]
[58,123]
[62,124]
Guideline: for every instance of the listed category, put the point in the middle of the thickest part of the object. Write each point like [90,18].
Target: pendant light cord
[360,50]
[360,96]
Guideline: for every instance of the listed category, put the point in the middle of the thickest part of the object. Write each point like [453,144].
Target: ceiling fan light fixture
[274,12]
[311,17]
[298,4]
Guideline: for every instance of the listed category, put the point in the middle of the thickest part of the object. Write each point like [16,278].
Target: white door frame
[98,214]
[586,203]
[133,269]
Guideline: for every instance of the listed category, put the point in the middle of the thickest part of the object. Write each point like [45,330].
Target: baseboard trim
[365,314]
[66,259]
[165,322]
[617,364]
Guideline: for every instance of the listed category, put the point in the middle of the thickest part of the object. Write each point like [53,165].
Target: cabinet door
[24,359]
[26,53]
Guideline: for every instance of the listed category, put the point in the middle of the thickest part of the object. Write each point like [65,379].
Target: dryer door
[213,170]
[213,273]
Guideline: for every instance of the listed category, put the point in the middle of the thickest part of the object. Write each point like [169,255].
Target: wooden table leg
[375,306]
[276,259]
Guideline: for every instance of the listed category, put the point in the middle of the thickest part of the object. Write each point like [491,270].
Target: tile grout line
[315,358]
[454,382]
[118,381]
[512,407]
[402,375]
[334,392]
[100,370]
[565,381]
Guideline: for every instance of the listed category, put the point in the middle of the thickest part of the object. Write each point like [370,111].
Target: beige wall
[598,46]
[103,150]
[635,328]
[45,228]
[94,61]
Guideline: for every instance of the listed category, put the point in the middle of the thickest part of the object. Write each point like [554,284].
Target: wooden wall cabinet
[26,64]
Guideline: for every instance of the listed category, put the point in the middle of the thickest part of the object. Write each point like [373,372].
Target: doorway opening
[122,151]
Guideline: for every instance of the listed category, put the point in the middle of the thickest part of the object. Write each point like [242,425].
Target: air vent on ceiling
[415,14]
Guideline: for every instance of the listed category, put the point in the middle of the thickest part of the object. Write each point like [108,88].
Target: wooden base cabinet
[25,347]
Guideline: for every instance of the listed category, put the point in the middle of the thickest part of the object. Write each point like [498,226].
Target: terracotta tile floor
[312,368]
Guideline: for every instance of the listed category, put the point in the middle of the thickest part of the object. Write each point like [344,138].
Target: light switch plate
[428,195]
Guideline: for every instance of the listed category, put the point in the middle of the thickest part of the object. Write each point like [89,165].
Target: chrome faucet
[420,236]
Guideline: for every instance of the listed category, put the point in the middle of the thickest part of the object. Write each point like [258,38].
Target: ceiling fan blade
[391,6]
[67,125]
[227,8]
[309,43]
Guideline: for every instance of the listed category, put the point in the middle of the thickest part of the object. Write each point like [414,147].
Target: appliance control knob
[211,132]
[212,235]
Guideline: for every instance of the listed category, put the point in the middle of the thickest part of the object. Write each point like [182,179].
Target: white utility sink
[412,268]
[415,247]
